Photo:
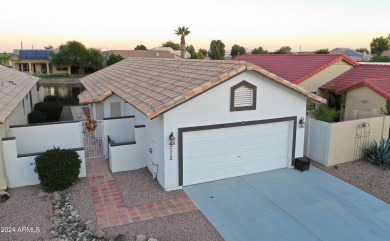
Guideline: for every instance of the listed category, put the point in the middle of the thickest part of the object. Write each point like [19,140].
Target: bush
[380,153]
[57,168]
[51,98]
[36,117]
[326,114]
[52,110]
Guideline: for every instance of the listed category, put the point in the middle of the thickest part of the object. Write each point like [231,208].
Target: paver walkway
[110,208]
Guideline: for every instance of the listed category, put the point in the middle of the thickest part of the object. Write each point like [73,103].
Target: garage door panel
[227,152]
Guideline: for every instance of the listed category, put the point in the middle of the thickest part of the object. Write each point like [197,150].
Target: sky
[119,24]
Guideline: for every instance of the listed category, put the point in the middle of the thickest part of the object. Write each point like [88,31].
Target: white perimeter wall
[331,144]
[39,138]
[20,171]
[213,107]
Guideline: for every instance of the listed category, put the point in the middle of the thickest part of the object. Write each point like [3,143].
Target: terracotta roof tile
[154,86]
[143,53]
[295,67]
[14,86]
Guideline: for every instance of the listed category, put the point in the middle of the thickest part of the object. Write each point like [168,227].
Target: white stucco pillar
[47,68]
[30,67]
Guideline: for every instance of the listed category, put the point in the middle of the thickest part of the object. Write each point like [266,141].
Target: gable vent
[243,96]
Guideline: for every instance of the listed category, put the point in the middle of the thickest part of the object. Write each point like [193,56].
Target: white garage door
[228,152]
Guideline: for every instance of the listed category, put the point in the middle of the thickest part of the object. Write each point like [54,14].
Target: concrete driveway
[287,204]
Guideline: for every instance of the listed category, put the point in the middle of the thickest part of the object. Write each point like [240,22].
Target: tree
[259,50]
[198,55]
[283,50]
[217,50]
[182,32]
[237,50]
[4,58]
[174,46]
[48,47]
[190,49]
[203,51]
[378,45]
[93,61]
[378,58]
[362,50]
[114,58]
[322,51]
[140,47]
[72,53]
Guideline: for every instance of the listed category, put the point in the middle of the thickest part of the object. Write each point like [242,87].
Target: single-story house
[36,61]
[309,71]
[176,53]
[204,119]
[386,53]
[353,54]
[142,53]
[365,87]
[18,95]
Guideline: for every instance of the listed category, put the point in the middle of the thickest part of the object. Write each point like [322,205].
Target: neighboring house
[176,53]
[309,71]
[355,55]
[18,95]
[229,118]
[142,53]
[365,87]
[36,61]
[386,53]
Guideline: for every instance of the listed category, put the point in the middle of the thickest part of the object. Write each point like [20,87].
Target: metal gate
[93,140]
[362,138]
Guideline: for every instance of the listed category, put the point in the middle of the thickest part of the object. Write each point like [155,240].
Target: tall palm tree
[182,32]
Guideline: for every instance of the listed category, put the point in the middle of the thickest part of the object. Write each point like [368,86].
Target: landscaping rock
[152,239]
[107,237]
[98,234]
[141,237]
[41,194]
[120,237]
[4,196]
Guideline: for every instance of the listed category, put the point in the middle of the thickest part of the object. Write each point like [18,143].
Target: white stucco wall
[64,135]
[213,107]
[112,99]
[120,130]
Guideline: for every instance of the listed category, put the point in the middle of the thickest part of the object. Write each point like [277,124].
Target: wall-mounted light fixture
[172,139]
[302,122]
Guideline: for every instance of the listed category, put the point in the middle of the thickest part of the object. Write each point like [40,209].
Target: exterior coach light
[302,122]
[172,139]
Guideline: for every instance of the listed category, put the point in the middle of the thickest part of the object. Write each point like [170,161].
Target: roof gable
[295,68]
[154,86]
[358,75]
[14,86]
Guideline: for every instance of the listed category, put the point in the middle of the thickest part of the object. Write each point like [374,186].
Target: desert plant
[380,152]
[57,168]
[51,109]
[326,114]
[36,117]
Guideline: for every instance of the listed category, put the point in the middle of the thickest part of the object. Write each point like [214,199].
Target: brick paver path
[110,208]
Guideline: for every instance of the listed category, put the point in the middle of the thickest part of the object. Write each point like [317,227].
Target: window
[23,67]
[243,97]
[61,67]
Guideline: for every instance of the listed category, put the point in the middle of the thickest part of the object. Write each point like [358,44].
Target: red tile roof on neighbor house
[374,76]
[295,67]
[14,86]
[154,86]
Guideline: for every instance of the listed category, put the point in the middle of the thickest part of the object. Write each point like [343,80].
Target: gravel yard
[26,209]
[365,175]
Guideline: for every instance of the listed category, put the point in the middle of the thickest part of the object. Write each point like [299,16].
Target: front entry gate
[93,140]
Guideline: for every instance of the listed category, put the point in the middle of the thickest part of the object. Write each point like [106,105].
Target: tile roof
[11,93]
[154,86]
[295,67]
[143,53]
[370,75]
[386,53]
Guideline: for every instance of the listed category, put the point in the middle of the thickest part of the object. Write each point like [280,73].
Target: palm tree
[182,32]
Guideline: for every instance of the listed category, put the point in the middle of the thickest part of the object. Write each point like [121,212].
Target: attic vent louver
[243,96]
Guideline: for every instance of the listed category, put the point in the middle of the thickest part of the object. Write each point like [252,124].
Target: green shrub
[51,109]
[57,168]
[326,114]
[380,153]
[36,117]
[52,98]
